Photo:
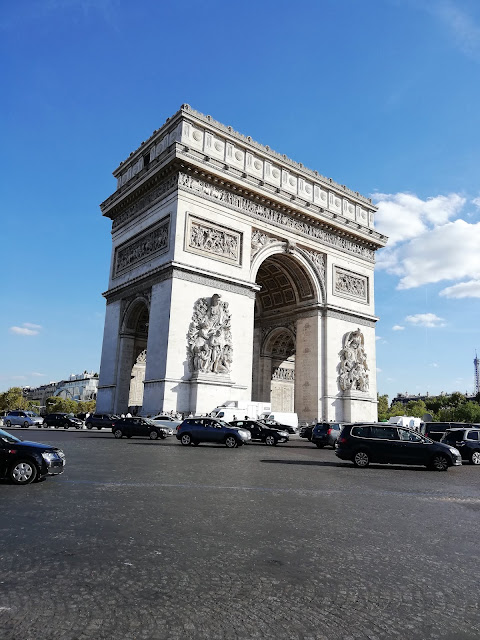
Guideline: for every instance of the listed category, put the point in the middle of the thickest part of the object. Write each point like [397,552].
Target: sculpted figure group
[210,337]
[353,363]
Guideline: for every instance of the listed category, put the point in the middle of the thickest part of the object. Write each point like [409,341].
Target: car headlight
[283,433]
[454,451]
[244,433]
[49,456]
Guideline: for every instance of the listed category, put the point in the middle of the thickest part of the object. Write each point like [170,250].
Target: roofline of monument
[186,111]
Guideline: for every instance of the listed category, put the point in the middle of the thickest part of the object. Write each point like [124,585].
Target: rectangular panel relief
[147,245]
[347,284]
[213,241]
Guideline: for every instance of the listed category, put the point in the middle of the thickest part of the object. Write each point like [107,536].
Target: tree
[416,408]
[13,399]
[397,409]
[382,407]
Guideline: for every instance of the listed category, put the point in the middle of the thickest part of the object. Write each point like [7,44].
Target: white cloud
[470,289]
[397,327]
[403,216]
[379,370]
[37,375]
[462,26]
[476,202]
[434,365]
[27,329]
[425,320]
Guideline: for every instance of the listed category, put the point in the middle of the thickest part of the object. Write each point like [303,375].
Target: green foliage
[13,399]
[397,409]
[383,411]
[416,408]
[56,404]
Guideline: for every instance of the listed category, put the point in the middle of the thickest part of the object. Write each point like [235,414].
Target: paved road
[152,540]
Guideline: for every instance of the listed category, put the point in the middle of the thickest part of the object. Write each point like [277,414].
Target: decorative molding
[353,363]
[211,281]
[142,204]
[319,261]
[272,216]
[209,339]
[284,374]
[213,240]
[348,284]
[260,240]
[349,317]
[143,247]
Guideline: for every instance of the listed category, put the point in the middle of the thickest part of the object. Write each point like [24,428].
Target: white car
[163,420]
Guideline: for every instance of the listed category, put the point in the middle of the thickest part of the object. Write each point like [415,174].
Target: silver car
[23,419]
[166,421]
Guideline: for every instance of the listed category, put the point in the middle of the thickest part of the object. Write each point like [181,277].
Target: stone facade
[239,273]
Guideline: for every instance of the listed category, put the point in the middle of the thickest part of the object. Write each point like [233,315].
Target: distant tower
[476,364]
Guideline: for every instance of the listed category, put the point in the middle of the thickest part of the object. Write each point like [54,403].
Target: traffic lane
[236,549]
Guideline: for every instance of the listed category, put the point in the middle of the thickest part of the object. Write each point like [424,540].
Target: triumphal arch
[236,274]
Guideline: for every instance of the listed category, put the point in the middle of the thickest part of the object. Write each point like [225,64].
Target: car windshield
[454,436]
[7,437]
[31,413]
[222,423]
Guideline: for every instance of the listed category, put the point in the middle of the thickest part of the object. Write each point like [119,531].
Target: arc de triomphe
[236,274]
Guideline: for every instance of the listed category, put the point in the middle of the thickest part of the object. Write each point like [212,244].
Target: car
[23,418]
[306,431]
[23,462]
[284,427]
[261,432]
[64,420]
[436,430]
[389,444]
[326,433]
[201,429]
[164,420]
[137,426]
[100,420]
[467,441]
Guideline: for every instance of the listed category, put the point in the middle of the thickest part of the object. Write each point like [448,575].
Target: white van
[290,419]
[237,410]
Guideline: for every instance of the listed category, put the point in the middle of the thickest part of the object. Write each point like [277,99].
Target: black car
[306,431]
[284,427]
[269,435]
[100,420]
[23,462]
[129,427]
[326,433]
[362,444]
[64,420]
[467,441]
[436,430]
[196,430]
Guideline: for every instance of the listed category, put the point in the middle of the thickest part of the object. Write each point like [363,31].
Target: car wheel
[475,457]
[118,433]
[8,424]
[319,445]
[231,442]
[26,424]
[439,462]
[186,439]
[99,428]
[162,435]
[42,425]
[23,472]
[309,438]
[88,425]
[153,435]
[361,459]
[270,440]
[65,425]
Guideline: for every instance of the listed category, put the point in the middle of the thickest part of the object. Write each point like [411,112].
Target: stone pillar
[308,368]
[124,373]
[108,366]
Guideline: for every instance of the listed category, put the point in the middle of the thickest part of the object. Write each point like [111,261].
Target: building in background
[80,387]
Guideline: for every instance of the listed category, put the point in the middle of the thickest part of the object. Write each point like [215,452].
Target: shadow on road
[377,467]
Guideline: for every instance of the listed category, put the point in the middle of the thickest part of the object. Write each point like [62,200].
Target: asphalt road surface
[144,539]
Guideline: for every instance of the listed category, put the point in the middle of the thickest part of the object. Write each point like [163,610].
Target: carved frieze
[284,374]
[350,285]
[260,240]
[319,262]
[142,204]
[213,240]
[149,244]
[284,220]
[209,339]
[353,363]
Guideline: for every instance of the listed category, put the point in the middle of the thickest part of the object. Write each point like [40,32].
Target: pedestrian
[122,416]
[247,418]
[129,415]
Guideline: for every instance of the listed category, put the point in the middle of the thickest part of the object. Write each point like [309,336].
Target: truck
[406,421]
[238,409]
[282,417]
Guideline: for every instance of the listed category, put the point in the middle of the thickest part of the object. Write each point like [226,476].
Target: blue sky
[380,95]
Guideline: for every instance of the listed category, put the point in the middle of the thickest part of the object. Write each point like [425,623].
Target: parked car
[137,426]
[64,420]
[23,462]
[261,432]
[163,420]
[363,444]
[436,430]
[23,418]
[326,433]
[306,431]
[196,430]
[284,427]
[467,441]
[100,420]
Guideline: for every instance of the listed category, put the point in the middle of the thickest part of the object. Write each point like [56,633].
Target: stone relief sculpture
[349,284]
[210,337]
[353,363]
[214,240]
[146,246]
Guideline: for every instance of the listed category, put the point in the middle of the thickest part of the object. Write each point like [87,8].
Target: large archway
[133,356]
[289,289]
